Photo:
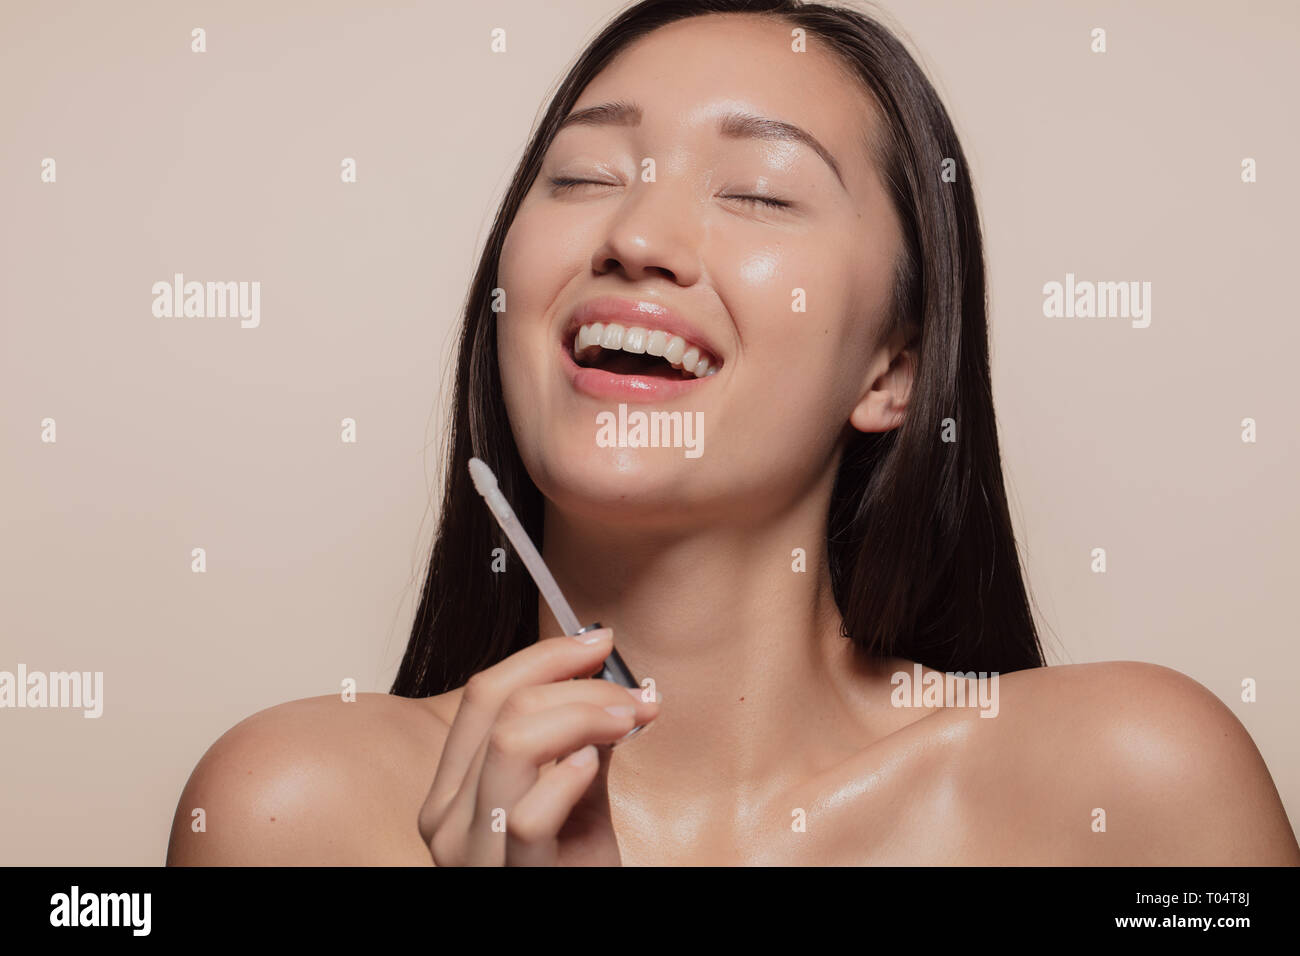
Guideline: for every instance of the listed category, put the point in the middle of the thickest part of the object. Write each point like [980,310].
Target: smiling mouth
[636,350]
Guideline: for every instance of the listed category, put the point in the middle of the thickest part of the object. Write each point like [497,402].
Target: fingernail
[591,637]
[582,758]
[621,710]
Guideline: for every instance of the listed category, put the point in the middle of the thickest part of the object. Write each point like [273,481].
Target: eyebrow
[733,125]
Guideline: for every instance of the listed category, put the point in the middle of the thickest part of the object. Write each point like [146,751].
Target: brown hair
[922,554]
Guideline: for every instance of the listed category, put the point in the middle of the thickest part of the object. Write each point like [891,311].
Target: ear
[884,402]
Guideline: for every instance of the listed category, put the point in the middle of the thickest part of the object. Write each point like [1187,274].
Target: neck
[757,682]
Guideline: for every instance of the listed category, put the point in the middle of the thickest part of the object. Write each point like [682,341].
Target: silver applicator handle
[614,670]
[617,672]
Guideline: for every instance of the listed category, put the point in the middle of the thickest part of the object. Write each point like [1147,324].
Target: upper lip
[631,313]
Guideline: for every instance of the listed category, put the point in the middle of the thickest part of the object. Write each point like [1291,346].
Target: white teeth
[674,349]
[588,336]
[613,336]
[634,340]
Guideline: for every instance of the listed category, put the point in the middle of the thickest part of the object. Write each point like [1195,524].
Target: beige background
[174,434]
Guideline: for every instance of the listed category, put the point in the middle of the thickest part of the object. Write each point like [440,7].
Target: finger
[516,749]
[450,840]
[528,700]
[533,826]
[552,659]
[588,833]
[458,817]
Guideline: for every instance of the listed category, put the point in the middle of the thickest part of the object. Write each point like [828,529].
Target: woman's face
[786,298]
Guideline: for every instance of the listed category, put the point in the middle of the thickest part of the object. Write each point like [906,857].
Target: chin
[627,487]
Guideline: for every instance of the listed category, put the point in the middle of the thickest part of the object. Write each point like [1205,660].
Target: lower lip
[598,383]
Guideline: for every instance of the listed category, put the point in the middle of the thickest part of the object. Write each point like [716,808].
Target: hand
[515,719]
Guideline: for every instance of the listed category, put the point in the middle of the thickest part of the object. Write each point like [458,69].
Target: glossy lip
[598,383]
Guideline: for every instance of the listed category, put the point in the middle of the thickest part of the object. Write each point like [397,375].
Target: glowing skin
[728,265]
[690,561]
[767,712]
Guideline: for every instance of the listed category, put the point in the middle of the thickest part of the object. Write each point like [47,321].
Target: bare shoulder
[317,781]
[1125,763]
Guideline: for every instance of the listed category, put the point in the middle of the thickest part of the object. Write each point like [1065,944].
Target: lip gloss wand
[485,482]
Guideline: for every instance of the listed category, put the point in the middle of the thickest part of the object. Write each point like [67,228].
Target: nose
[654,232]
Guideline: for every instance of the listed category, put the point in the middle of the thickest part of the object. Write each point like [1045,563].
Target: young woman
[757,215]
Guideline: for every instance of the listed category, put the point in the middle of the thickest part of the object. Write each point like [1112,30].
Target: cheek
[807,311]
[802,324]
[524,265]
[531,273]
[541,254]
[540,258]
[524,274]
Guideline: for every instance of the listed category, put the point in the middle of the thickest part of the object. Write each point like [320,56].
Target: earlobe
[877,412]
[884,406]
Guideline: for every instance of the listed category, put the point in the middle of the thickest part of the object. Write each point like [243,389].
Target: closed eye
[564,183]
[763,200]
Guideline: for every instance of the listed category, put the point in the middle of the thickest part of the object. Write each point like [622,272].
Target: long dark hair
[922,556]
